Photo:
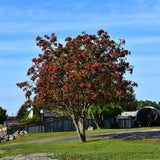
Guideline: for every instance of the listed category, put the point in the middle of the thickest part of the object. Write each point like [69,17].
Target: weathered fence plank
[61,125]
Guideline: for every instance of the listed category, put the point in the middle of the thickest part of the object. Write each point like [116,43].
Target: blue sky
[136,21]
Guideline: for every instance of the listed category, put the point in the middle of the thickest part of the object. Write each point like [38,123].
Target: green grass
[33,137]
[98,149]
[92,149]
[39,136]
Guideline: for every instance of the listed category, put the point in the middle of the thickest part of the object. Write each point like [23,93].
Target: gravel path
[150,134]
[35,156]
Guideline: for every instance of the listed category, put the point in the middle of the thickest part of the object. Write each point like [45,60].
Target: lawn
[33,137]
[111,149]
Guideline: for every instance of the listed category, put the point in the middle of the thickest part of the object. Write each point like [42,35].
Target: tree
[130,105]
[158,105]
[36,112]
[22,111]
[142,103]
[102,111]
[89,69]
[3,115]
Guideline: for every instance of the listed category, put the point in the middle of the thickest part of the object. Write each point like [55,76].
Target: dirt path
[34,156]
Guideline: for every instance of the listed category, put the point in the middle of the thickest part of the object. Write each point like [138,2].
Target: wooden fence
[56,125]
[61,124]
[125,123]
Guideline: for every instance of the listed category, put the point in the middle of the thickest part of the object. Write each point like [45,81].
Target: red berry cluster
[88,69]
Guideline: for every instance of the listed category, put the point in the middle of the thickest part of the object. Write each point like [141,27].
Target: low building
[12,121]
[128,114]
[147,116]
[126,119]
[49,115]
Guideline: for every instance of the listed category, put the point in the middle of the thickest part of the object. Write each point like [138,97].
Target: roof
[50,113]
[12,119]
[129,114]
[149,107]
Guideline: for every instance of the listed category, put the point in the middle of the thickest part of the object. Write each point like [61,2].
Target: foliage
[133,104]
[35,119]
[89,69]
[100,112]
[3,115]
[107,110]
[36,113]
[22,111]
[130,105]
[142,103]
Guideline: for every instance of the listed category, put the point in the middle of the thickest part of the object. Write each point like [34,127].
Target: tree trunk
[101,121]
[80,127]
[94,120]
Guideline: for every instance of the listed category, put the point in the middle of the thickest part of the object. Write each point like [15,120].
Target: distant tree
[22,111]
[130,104]
[35,119]
[89,69]
[155,104]
[159,105]
[142,103]
[100,112]
[3,115]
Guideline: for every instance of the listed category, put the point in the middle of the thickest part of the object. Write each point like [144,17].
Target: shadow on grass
[96,140]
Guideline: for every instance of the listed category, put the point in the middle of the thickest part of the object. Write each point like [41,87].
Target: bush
[36,119]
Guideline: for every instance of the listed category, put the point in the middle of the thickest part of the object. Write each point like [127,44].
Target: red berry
[82,85]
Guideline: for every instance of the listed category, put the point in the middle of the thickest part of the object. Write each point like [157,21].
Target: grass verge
[39,136]
[93,149]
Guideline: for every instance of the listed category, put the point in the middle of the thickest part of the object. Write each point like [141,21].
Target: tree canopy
[143,103]
[22,111]
[88,69]
[102,111]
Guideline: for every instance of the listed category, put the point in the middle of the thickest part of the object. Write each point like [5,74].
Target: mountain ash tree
[88,69]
